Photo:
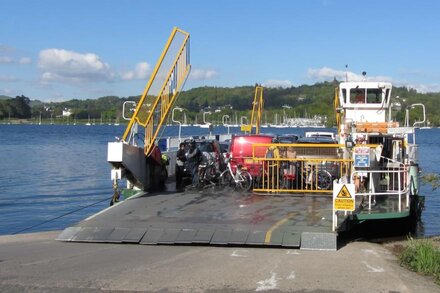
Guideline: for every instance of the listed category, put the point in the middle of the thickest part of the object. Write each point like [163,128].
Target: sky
[62,50]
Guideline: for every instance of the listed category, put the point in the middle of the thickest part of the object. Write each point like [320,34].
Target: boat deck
[213,217]
[384,207]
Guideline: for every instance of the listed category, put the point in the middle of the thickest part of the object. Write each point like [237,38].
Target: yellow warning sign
[344,193]
[343,197]
[344,204]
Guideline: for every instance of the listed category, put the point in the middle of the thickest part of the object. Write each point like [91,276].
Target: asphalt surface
[38,263]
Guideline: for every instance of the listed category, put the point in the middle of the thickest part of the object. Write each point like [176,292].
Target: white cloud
[8,59]
[72,67]
[5,91]
[7,49]
[202,74]
[141,71]
[8,53]
[328,74]
[8,78]
[5,59]
[273,83]
[25,60]
[423,88]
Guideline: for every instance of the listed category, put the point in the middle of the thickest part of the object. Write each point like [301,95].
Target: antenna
[346,72]
[364,74]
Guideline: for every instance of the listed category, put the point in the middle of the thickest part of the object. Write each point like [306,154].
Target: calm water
[49,171]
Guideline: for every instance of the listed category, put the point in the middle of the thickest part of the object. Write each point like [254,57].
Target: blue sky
[115,44]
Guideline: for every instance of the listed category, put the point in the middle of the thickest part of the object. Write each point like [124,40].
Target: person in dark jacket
[193,157]
[180,161]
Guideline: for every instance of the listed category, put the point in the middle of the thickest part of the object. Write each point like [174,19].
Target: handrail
[293,170]
[153,115]
[401,171]
[300,175]
[293,145]
[402,186]
[402,165]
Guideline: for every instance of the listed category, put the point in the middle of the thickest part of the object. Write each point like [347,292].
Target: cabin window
[366,96]
[374,96]
[357,96]
[344,95]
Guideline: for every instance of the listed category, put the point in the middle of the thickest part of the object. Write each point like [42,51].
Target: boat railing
[390,181]
[297,168]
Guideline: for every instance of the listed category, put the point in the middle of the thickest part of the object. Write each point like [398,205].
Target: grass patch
[422,256]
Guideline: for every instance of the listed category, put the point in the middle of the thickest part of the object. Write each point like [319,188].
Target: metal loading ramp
[213,217]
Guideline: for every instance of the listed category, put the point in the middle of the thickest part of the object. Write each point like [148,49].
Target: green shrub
[422,256]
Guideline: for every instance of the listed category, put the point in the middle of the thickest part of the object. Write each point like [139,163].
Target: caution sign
[343,197]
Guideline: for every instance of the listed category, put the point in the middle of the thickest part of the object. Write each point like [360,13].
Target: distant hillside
[2,97]
[240,98]
[109,108]
[36,103]
[301,101]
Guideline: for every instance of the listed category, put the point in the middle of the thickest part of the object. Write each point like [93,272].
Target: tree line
[300,101]
[18,107]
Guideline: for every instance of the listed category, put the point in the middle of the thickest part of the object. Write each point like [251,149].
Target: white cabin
[365,101]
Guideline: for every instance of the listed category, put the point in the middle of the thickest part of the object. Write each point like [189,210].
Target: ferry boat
[385,168]
[303,195]
[371,174]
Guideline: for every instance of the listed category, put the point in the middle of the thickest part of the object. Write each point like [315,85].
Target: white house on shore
[67,112]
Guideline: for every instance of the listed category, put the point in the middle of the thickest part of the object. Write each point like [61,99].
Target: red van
[240,150]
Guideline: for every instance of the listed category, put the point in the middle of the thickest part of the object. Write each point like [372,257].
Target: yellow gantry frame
[174,80]
[337,110]
[257,111]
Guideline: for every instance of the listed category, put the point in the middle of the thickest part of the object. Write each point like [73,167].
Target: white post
[176,121]
[224,119]
[204,116]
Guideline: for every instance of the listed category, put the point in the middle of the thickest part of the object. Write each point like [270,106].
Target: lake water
[53,176]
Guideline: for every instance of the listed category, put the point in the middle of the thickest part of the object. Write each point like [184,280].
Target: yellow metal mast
[337,110]
[169,76]
[257,112]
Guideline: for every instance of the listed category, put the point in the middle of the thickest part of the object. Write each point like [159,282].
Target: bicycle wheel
[244,180]
[211,174]
[226,179]
[324,180]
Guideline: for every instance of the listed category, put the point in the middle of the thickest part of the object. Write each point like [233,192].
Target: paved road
[37,263]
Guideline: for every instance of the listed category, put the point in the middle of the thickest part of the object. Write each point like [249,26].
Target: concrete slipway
[39,263]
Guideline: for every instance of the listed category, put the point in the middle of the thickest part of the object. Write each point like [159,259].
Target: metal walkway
[213,217]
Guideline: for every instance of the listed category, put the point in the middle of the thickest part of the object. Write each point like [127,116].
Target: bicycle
[321,179]
[208,174]
[241,178]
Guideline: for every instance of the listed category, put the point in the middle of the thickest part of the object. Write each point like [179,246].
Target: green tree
[22,107]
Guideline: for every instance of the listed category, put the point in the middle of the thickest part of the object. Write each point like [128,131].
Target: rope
[59,217]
